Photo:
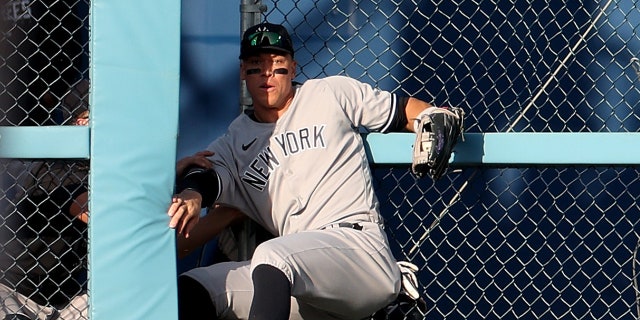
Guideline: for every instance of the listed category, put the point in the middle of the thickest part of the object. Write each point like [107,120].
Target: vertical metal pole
[250,15]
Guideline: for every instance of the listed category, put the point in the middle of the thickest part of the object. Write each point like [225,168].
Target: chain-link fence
[540,242]
[45,53]
[519,243]
[43,243]
[44,236]
[536,242]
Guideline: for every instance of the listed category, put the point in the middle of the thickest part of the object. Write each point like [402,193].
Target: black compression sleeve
[271,294]
[399,120]
[194,301]
[204,181]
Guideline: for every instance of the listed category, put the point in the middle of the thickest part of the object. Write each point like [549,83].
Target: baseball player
[296,164]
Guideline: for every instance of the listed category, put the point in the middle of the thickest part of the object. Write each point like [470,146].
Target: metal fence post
[250,15]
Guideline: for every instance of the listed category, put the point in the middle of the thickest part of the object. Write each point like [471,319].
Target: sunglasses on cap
[265,38]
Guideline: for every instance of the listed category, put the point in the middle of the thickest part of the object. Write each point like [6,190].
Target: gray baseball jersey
[309,169]
[298,177]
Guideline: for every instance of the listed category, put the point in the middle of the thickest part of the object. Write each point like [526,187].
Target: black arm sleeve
[399,121]
[204,181]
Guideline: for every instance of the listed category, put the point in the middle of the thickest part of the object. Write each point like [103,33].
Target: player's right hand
[199,159]
[185,211]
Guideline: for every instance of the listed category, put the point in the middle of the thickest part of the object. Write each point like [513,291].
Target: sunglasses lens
[264,39]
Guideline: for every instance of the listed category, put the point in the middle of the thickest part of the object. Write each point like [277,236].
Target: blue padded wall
[134,72]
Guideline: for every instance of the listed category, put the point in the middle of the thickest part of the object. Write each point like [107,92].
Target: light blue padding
[516,149]
[134,104]
[55,142]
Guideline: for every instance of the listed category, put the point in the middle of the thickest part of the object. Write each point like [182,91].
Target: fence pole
[250,15]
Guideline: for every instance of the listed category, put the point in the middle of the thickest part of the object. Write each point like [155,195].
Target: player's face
[268,78]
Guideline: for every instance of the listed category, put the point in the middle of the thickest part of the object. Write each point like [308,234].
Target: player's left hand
[185,211]
[437,135]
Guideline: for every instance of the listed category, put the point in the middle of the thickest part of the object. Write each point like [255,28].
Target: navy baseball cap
[265,37]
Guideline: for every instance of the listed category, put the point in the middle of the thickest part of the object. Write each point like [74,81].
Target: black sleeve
[204,181]
[399,120]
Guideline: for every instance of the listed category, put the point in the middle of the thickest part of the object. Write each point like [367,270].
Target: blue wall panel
[135,77]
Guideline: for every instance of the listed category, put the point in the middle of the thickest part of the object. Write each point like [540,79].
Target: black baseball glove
[437,135]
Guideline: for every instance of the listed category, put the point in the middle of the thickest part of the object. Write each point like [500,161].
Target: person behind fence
[45,242]
[48,197]
[44,50]
[296,164]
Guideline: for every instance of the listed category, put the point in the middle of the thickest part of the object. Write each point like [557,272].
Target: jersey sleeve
[221,157]
[372,108]
[224,164]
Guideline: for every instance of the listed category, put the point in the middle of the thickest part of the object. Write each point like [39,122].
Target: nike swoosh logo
[246,146]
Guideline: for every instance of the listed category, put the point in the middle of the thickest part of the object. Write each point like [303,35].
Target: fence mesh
[539,242]
[515,242]
[519,243]
[45,52]
[44,76]
[44,246]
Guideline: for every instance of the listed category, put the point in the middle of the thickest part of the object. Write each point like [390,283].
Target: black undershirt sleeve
[399,120]
[204,181]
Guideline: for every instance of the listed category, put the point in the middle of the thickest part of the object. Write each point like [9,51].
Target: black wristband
[203,181]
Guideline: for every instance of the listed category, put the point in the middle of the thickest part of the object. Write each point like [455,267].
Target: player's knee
[270,250]
[194,301]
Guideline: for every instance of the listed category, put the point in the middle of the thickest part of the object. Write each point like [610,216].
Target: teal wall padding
[516,149]
[54,142]
[509,149]
[134,71]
